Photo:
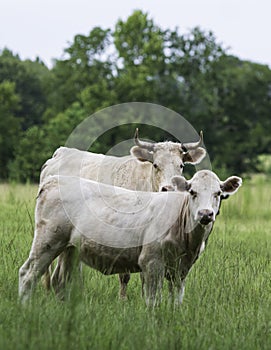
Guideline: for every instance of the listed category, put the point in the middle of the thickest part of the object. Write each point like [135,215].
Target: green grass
[227,304]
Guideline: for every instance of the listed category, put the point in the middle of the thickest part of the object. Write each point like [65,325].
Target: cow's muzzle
[205,216]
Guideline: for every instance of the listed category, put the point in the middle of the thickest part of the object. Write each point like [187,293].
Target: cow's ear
[142,154]
[231,185]
[194,156]
[180,183]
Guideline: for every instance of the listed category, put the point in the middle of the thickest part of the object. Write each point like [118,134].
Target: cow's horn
[193,145]
[143,144]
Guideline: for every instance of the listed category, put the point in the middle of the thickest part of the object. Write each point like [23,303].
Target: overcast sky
[45,27]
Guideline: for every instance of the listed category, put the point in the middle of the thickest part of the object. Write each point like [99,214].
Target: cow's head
[205,193]
[167,158]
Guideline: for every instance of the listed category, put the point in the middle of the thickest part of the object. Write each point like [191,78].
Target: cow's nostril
[164,189]
[206,216]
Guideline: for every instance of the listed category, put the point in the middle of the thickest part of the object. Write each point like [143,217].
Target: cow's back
[68,161]
[125,171]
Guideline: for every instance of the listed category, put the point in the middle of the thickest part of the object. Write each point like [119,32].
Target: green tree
[39,143]
[87,63]
[29,80]
[140,46]
[239,122]
[9,125]
[31,153]
[61,126]
[140,42]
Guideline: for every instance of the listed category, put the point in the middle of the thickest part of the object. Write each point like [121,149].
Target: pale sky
[45,27]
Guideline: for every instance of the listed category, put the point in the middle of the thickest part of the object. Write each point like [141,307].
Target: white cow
[121,231]
[149,168]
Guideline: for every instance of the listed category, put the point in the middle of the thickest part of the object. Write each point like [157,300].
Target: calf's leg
[153,275]
[124,278]
[63,271]
[42,253]
[176,291]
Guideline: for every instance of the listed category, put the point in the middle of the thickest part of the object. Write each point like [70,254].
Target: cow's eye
[193,194]
[181,166]
[218,194]
[155,166]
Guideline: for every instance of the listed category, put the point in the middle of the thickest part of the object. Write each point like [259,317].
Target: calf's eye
[193,194]
[181,166]
[155,166]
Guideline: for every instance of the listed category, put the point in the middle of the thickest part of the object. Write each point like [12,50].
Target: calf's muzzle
[205,216]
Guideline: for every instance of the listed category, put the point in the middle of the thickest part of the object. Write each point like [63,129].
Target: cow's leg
[41,256]
[176,290]
[171,289]
[153,275]
[142,284]
[124,278]
[63,272]
[180,292]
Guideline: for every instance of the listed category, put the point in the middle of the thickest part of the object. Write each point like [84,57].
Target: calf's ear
[194,156]
[180,183]
[142,154]
[231,185]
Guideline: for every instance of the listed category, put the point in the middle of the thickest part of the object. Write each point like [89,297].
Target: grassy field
[227,304]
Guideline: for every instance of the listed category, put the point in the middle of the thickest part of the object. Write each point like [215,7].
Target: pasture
[227,304]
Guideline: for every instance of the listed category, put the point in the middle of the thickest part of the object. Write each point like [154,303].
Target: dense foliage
[190,73]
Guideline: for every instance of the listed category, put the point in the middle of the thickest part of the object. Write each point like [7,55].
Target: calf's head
[167,159]
[205,191]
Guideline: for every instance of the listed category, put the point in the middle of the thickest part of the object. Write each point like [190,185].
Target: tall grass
[227,304]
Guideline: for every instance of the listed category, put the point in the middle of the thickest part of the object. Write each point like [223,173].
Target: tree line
[190,73]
